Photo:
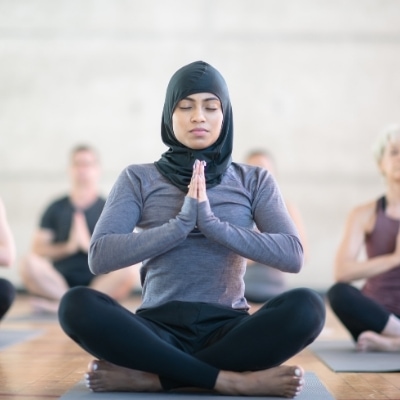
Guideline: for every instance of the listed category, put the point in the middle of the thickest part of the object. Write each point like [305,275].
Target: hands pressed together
[197,186]
[79,238]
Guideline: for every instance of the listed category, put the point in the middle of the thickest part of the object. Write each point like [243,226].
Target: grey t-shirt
[194,251]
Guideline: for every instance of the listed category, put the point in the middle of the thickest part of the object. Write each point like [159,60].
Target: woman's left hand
[197,187]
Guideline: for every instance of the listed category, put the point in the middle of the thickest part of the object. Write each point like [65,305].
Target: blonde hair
[387,135]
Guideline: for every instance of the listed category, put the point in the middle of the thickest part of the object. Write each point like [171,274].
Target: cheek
[175,124]
[220,122]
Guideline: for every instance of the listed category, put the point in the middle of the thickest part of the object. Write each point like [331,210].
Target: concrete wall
[314,81]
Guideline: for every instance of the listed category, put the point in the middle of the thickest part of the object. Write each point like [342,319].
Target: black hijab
[176,164]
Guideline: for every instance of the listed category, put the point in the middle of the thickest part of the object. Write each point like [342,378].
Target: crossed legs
[372,327]
[141,356]
[47,285]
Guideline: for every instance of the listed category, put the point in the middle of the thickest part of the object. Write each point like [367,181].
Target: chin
[197,146]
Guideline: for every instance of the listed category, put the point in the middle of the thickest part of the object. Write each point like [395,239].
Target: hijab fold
[176,164]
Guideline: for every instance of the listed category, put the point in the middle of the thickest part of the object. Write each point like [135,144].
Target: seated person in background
[7,257]
[264,282]
[59,256]
[372,314]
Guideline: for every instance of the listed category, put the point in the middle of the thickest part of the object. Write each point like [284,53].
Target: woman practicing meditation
[198,217]
[372,314]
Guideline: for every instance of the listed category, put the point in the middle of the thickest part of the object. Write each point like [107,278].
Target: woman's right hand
[197,186]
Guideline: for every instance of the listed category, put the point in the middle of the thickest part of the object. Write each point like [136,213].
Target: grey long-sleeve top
[194,251]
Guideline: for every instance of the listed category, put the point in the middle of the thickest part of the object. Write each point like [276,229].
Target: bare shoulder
[364,215]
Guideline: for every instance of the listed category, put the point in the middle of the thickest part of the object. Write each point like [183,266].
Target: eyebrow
[206,99]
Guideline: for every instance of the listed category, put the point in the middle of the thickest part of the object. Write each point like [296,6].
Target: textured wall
[313,81]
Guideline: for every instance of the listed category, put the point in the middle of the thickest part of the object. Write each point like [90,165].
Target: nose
[197,114]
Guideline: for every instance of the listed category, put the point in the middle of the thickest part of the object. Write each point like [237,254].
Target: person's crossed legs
[110,332]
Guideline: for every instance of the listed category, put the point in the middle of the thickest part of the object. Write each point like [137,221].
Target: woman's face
[197,120]
[390,162]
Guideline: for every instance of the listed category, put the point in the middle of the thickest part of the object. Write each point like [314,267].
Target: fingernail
[86,376]
[204,163]
[297,372]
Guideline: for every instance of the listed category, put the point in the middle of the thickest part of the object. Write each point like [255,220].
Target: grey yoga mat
[33,317]
[11,337]
[313,390]
[341,356]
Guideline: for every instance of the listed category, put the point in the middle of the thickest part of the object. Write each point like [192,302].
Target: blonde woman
[372,314]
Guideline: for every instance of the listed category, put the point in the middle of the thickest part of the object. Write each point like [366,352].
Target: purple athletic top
[385,287]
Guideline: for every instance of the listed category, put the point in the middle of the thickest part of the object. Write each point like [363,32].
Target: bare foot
[372,341]
[103,376]
[284,381]
[41,305]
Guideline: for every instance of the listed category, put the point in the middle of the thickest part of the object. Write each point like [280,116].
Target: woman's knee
[339,295]
[7,291]
[303,310]
[75,296]
[311,303]
[304,305]
[7,295]
[307,297]
[75,306]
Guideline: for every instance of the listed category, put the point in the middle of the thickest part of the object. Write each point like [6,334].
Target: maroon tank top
[385,287]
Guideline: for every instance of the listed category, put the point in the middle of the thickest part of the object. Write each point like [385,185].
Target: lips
[198,131]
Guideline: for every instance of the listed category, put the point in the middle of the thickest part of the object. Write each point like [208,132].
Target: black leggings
[7,295]
[186,344]
[357,312]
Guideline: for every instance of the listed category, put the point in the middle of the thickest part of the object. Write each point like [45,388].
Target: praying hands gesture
[197,186]
[79,238]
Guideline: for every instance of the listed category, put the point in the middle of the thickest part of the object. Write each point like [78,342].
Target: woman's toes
[93,365]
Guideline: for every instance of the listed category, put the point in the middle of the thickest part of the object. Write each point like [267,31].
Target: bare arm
[348,267]
[78,240]
[7,245]
[44,246]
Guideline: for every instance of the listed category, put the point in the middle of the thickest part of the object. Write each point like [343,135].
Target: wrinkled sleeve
[275,242]
[116,245]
